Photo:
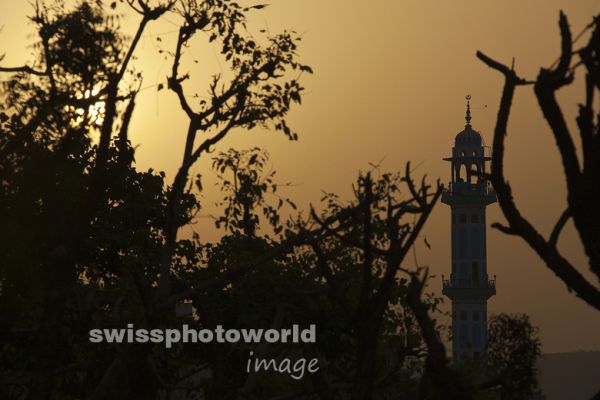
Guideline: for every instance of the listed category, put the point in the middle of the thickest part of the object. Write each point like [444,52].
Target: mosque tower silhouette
[469,287]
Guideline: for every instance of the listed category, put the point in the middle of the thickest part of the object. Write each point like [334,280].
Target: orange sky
[389,83]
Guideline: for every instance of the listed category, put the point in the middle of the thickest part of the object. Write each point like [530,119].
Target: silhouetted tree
[317,274]
[258,94]
[377,229]
[582,176]
[513,349]
[66,154]
[82,60]
[292,285]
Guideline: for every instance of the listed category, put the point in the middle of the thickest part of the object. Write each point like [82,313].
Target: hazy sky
[389,84]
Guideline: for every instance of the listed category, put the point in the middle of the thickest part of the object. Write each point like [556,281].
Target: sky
[389,86]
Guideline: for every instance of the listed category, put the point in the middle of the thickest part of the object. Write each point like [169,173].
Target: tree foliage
[513,349]
[245,183]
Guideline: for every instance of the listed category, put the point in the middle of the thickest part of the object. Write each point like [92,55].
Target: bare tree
[582,176]
[377,228]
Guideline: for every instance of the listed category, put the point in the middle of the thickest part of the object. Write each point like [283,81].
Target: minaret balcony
[466,193]
[468,288]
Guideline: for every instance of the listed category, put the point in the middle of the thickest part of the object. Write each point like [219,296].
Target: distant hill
[570,376]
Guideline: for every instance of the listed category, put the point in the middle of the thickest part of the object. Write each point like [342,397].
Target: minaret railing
[480,189]
[469,283]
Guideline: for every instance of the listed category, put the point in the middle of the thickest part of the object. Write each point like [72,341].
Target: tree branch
[564,217]
[517,223]
[436,363]
[27,69]
[547,83]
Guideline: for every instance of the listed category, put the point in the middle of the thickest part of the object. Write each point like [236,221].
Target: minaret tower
[469,287]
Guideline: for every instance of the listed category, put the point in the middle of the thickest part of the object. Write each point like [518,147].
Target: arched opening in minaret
[474,173]
[462,173]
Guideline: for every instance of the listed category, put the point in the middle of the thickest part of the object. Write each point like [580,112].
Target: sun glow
[94,115]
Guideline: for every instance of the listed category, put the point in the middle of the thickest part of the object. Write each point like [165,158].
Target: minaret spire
[468,115]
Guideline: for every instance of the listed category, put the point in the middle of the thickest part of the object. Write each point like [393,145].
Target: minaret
[469,287]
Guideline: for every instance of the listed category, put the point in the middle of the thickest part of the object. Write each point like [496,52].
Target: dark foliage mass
[90,241]
[513,348]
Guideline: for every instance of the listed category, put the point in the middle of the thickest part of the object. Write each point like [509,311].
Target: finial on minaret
[468,115]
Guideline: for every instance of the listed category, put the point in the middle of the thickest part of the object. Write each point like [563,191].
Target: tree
[376,229]
[582,176]
[59,180]
[513,349]
[321,280]
[51,108]
[259,93]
